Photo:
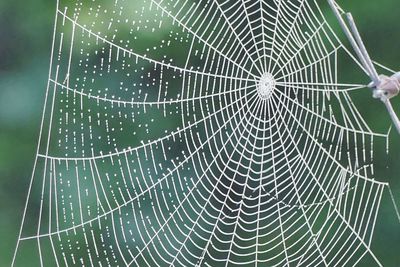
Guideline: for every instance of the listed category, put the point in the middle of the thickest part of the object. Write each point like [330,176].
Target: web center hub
[266,86]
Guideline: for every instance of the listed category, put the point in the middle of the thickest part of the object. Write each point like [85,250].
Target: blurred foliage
[25,40]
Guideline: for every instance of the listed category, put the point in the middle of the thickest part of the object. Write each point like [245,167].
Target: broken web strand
[283,142]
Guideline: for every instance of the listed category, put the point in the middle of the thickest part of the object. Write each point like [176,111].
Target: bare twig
[383,87]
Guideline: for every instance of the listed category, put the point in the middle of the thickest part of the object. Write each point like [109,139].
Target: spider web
[201,133]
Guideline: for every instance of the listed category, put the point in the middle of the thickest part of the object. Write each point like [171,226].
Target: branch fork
[383,87]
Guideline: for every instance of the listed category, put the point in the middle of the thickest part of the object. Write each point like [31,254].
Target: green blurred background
[25,41]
